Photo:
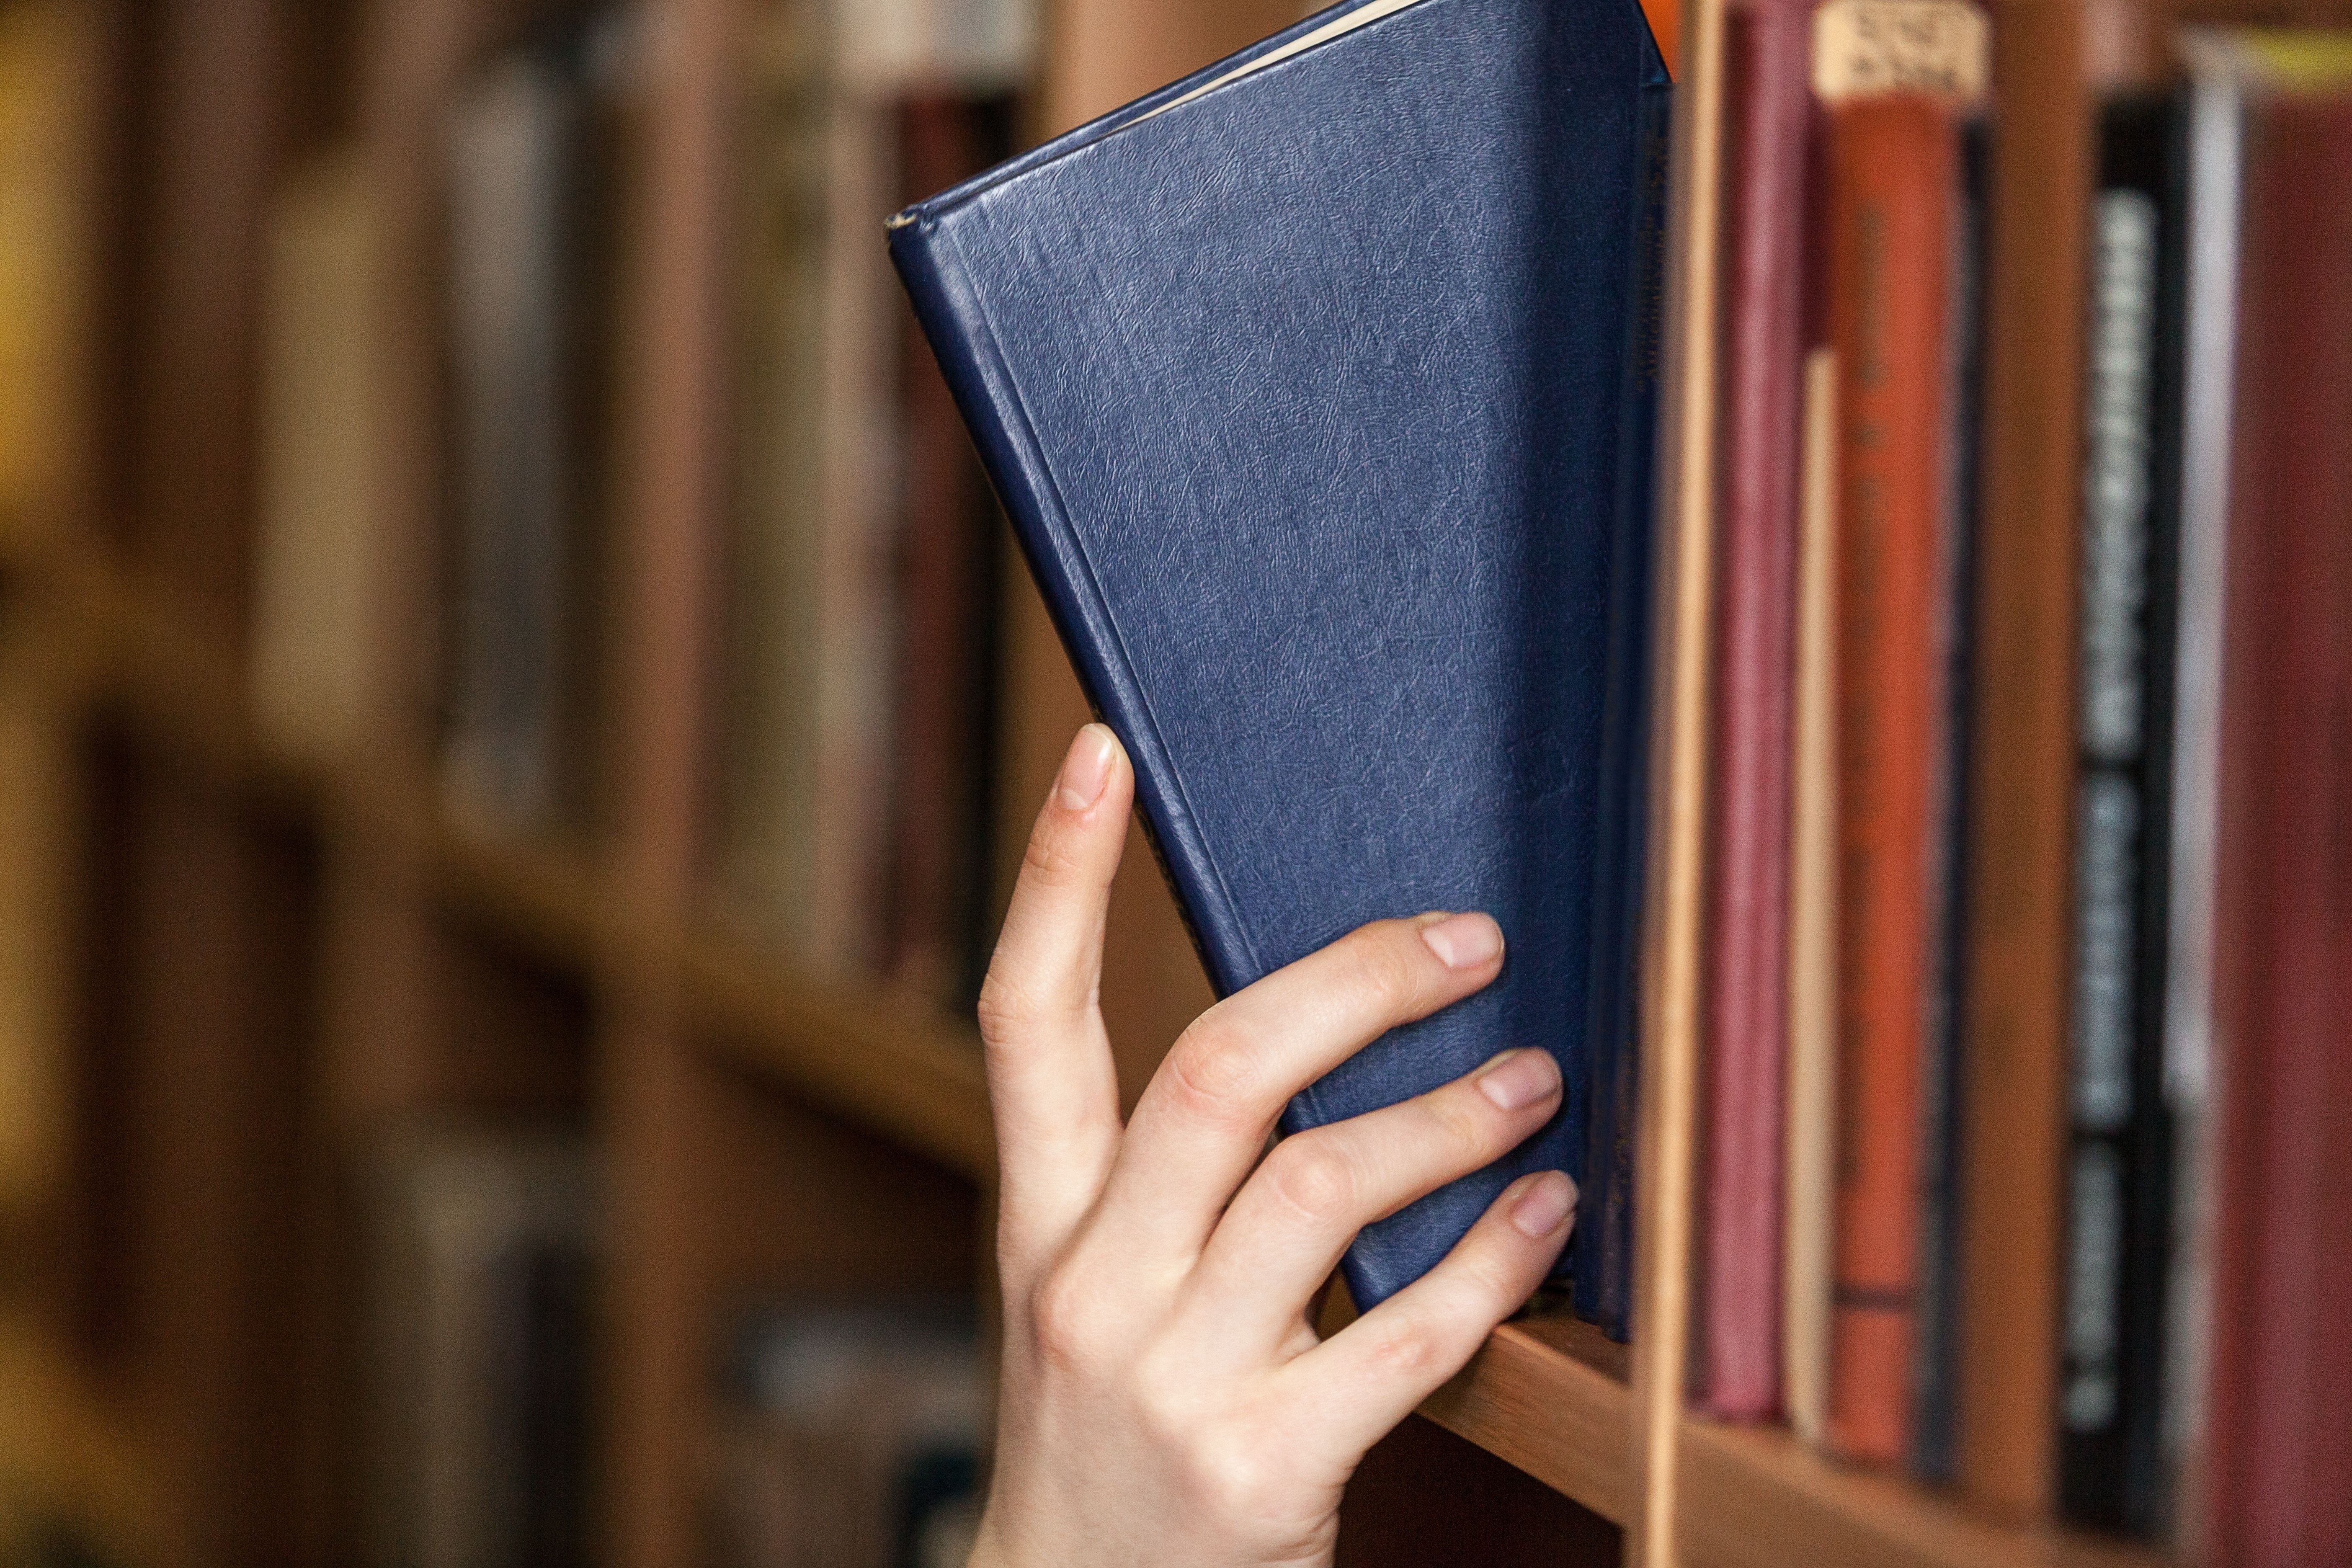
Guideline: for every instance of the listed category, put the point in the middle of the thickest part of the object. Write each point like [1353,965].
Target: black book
[2118,1184]
[1936,1358]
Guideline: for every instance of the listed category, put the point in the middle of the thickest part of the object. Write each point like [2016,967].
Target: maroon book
[1767,107]
[2278,1492]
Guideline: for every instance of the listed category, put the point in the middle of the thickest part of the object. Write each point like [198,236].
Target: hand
[1165,1398]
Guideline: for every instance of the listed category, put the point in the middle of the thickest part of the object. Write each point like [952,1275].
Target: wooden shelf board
[1549,1393]
[891,1063]
[545,898]
[1758,1498]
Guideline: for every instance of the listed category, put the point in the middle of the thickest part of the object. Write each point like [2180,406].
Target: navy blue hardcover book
[1305,381]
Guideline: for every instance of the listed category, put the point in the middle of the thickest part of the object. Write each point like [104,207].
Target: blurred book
[852,1439]
[43,62]
[36,817]
[45,67]
[314,603]
[851,762]
[536,155]
[479,1269]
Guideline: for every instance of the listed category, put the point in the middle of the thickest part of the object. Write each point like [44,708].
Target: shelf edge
[1758,1498]
[1562,1420]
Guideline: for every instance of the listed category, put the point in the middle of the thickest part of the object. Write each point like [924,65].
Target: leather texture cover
[1305,392]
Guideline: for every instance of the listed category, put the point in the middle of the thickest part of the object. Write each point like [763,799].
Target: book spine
[2278,1488]
[1810,1178]
[957,327]
[512,149]
[1893,170]
[2211,159]
[1766,53]
[1936,1368]
[2021,785]
[1602,1261]
[2118,1162]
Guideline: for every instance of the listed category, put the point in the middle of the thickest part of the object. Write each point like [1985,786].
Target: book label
[1864,48]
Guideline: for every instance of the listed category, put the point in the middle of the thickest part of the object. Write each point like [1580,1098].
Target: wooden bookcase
[280,957]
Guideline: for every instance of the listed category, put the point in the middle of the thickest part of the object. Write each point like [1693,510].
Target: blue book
[1308,382]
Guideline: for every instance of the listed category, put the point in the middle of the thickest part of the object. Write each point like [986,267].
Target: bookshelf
[284,955]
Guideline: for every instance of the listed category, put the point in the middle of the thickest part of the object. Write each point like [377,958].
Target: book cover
[1935,1367]
[1603,1265]
[1768,106]
[316,565]
[2117,1186]
[1810,1181]
[478,1273]
[852,1436]
[534,172]
[2277,1486]
[1321,491]
[2211,168]
[2021,800]
[1894,179]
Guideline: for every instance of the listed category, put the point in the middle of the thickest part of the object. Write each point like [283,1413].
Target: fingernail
[1085,770]
[1545,1207]
[1518,1079]
[1464,941]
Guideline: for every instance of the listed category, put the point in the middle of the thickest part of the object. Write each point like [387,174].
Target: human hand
[1165,1398]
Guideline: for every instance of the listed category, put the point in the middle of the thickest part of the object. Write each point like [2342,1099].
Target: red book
[2278,1492]
[1768,105]
[1893,185]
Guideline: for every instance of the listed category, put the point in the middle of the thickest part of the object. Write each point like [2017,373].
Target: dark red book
[1767,107]
[1893,198]
[2278,1488]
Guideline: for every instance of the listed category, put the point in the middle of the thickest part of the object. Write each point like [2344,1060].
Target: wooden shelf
[886,1061]
[1549,1393]
[892,1063]
[1758,1498]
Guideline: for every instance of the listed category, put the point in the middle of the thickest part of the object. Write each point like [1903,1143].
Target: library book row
[845,1431]
[850,780]
[2020,1142]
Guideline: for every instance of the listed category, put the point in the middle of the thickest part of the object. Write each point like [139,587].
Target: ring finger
[1290,1222]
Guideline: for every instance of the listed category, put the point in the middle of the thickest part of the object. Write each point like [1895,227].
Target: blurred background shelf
[265,985]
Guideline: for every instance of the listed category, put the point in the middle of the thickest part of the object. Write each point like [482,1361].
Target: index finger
[1051,1083]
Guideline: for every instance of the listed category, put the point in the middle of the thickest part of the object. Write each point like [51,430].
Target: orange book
[1893,191]
[2020,941]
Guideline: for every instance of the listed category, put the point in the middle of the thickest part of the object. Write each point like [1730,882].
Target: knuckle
[1313,1176]
[1236,1476]
[1214,1072]
[1003,1012]
[1467,1126]
[1385,970]
[1064,1324]
[1408,1351]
